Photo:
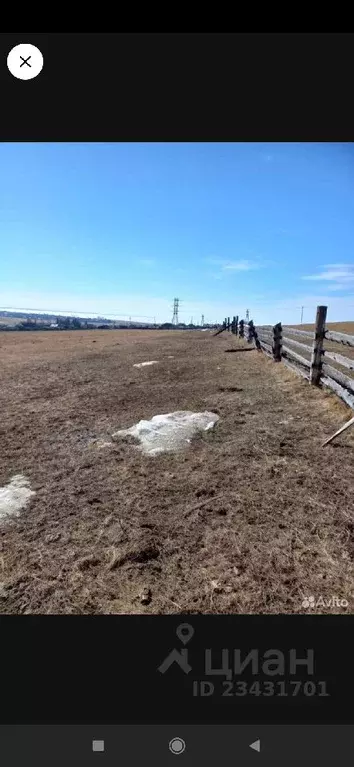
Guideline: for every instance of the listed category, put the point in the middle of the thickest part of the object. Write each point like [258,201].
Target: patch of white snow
[169,431]
[14,496]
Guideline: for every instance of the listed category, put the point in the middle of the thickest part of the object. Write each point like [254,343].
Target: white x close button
[25,61]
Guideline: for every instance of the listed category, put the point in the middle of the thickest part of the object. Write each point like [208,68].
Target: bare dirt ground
[251,518]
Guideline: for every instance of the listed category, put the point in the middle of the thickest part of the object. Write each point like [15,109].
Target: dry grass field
[250,518]
[341,327]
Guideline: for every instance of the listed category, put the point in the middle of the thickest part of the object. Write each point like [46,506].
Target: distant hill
[14,318]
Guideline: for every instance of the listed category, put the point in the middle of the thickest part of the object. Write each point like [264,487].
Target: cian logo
[184,633]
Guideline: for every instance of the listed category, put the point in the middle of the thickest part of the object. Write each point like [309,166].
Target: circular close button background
[25,61]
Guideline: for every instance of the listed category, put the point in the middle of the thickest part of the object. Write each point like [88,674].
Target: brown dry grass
[341,327]
[250,518]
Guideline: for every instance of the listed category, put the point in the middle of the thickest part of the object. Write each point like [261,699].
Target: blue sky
[124,228]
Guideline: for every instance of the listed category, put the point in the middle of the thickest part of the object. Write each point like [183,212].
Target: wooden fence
[308,358]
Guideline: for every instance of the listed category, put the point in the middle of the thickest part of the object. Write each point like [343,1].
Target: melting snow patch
[169,431]
[143,364]
[14,496]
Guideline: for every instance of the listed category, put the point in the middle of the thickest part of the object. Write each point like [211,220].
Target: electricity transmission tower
[175,311]
[202,320]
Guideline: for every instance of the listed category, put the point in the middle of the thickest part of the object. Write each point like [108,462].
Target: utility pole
[202,320]
[302,314]
[247,314]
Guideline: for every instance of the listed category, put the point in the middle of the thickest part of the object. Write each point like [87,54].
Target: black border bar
[180,87]
[100,669]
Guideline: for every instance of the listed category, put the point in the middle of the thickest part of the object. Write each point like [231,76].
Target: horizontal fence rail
[313,364]
[296,332]
[338,376]
[339,390]
[299,345]
[287,352]
[342,338]
[347,363]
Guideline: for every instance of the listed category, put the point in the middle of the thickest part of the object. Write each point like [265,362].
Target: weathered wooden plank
[347,363]
[266,347]
[338,376]
[317,350]
[339,390]
[267,341]
[251,333]
[295,356]
[336,434]
[256,339]
[221,330]
[267,335]
[277,341]
[342,338]
[299,344]
[296,368]
[295,332]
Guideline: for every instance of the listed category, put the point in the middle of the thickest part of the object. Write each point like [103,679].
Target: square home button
[98,745]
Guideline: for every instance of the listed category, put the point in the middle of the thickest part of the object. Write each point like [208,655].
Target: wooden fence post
[277,342]
[241,331]
[317,349]
[255,337]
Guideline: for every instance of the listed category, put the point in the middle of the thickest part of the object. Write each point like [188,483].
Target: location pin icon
[185,632]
